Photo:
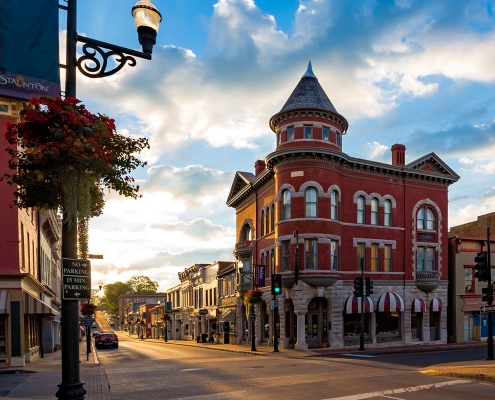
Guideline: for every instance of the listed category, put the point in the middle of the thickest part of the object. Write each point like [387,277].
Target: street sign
[96,256]
[203,312]
[273,304]
[76,279]
[487,308]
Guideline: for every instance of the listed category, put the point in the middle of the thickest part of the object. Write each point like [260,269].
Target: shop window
[285,205]
[311,253]
[352,328]
[434,325]
[387,326]
[360,210]
[416,325]
[311,200]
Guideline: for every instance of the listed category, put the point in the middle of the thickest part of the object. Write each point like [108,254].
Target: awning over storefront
[436,305]
[418,305]
[227,315]
[390,302]
[353,305]
[4,302]
[32,305]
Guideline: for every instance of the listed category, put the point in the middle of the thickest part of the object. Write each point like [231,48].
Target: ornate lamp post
[146,19]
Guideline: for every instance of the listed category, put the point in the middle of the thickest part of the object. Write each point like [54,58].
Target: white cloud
[466,161]
[375,150]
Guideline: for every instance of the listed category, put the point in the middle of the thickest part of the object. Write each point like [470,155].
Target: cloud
[200,229]
[375,150]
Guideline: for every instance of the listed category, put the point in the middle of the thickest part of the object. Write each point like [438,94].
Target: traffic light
[358,286]
[481,267]
[487,294]
[276,284]
[369,286]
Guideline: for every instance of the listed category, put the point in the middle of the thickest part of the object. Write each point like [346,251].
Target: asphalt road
[167,371]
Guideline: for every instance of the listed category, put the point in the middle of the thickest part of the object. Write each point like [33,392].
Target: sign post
[76,279]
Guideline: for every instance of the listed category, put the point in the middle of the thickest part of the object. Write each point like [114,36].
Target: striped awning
[32,305]
[418,305]
[436,305]
[390,302]
[4,302]
[353,305]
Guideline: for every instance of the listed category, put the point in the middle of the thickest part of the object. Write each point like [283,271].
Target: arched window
[267,221]
[334,205]
[374,211]
[272,217]
[246,233]
[311,200]
[360,210]
[262,223]
[426,219]
[286,205]
[387,213]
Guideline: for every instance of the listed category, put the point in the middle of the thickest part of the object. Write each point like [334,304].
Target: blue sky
[420,73]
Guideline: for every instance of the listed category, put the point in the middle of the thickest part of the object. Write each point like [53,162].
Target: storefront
[418,309]
[389,311]
[226,325]
[352,320]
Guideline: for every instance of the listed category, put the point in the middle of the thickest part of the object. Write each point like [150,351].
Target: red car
[107,339]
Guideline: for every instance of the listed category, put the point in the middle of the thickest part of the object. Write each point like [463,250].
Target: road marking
[386,393]
[358,355]
[190,369]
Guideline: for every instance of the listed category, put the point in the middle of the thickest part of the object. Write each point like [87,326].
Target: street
[171,371]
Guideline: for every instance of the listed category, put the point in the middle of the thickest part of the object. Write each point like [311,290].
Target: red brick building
[341,213]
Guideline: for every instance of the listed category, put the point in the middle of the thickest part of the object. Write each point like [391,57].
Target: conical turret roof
[308,94]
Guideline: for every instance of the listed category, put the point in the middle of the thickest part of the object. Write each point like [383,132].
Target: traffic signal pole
[361,336]
[489,340]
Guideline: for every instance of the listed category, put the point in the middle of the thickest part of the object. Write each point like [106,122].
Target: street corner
[480,372]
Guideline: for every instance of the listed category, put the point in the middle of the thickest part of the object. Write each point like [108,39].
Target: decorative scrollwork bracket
[94,62]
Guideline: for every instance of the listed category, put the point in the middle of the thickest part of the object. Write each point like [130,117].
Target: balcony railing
[427,281]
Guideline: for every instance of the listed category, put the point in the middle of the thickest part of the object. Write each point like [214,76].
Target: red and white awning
[436,305]
[390,302]
[353,305]
[418,305]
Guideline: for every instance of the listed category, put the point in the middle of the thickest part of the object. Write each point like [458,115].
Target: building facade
[466,321]
[321,218]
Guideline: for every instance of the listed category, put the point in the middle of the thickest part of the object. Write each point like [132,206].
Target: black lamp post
[146,20]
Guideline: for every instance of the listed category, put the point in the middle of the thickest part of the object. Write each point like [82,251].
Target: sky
[419,73]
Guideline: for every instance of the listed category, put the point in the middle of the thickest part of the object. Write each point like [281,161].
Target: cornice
[257,183]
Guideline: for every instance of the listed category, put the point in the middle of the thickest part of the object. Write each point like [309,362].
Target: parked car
[96,334]
[107,339]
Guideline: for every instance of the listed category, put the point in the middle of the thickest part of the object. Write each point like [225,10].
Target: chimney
[398,154]
[259,167]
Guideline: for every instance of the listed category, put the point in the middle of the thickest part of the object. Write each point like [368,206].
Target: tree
[142,284]
[112,293]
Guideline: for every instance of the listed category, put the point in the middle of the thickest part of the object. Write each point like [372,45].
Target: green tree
[142,284]
[112,293]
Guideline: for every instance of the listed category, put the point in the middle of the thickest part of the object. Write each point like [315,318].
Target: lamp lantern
[147,20]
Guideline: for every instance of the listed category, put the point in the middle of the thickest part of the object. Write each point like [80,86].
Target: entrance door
[313,330]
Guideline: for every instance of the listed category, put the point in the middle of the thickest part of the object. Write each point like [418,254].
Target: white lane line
[409,389]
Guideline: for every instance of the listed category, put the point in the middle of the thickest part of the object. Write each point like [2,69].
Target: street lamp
[146,19]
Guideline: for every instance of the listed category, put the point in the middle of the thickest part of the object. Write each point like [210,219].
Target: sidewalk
[40,379]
